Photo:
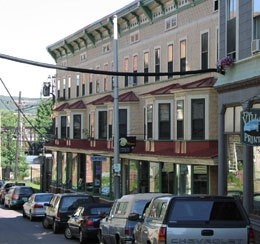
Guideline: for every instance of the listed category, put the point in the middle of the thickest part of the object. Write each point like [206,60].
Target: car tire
[55,227]
[100,238]
[24,215]
[67,233]
[45,223]
[31,217]
[82,237]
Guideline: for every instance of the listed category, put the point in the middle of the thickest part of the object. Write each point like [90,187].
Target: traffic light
[46,89]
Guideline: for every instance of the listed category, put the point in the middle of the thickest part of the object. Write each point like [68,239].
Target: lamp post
[116,164]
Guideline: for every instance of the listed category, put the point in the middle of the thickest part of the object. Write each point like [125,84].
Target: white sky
[27,27]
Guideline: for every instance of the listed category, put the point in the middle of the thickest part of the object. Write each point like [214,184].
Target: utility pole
[116,164]
[18,139]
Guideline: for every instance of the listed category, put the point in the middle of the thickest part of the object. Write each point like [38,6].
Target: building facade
[239,96]
[168,124]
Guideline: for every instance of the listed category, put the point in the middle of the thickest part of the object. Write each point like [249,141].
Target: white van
[125,213]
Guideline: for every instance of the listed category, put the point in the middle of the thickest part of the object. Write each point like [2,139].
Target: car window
[138,206]
[72,202]
[121,208]
[43,198]
[26,191]
[204,211]
[98,210]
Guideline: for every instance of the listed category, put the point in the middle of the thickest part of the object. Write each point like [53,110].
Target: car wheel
[24,215]
[45,223]
[67,233]
[55,227]
[31,217]
[82,237]
[101,238]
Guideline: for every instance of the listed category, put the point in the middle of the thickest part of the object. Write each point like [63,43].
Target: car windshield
[26,191]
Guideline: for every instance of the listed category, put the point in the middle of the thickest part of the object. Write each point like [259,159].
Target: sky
[28,27]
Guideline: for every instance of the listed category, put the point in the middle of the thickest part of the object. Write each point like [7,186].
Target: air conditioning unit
[256,46]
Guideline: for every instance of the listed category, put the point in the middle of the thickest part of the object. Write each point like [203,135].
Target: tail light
[251,236]
[58,215]
[15,196]
[162,235]
[37,206]
[88,222]
[129,231]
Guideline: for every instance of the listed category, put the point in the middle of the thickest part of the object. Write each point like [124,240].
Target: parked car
[17,196]
[84,223]
[61,206]
[2,183]
[124,215]
[34,207]
[5,188]
[194,219]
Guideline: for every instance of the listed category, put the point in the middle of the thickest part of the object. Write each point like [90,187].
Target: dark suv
[17,196]
[5,188]
[61,206]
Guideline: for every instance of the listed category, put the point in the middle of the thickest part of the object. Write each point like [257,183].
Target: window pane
[102,124]
[198,119]
[76,126]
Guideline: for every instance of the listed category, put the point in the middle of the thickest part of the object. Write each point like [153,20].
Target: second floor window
[76,126]
[183,56]
[126,69]
[135,67]
[204,51]
[164,121]
[157,60]
[170,59]
[102,124]
[146,66]
[69,87]
[256,20]
[150,121]
[231,28]
[63,126]
[197,119]
[180,119]
[77,85]
[122,122]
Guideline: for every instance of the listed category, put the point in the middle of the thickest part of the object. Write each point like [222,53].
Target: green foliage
[43,122]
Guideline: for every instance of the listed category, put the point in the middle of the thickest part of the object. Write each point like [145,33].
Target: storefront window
[168,177]
[105,179]
[133,177]
[89,174]
[200,179]
[184,176]
[74,172]
[154,177]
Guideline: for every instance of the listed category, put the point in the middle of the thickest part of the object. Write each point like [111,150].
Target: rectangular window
[204,51]
[164,121]
[126,69]
[198,119]
[215,5]
[69,87]
[183,56]
[231,28]
[135,68]
[58,88]
[83,86]
[170,60]
[146,66]
[76,126]
[102,124]
[180,119]
[105,78]
[91,77]
[122,122]
[63,124]
[64,88]
[150,121]
[77,85]
[157,59]
[256,20]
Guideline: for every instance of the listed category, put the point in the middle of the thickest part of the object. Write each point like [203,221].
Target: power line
[101,72]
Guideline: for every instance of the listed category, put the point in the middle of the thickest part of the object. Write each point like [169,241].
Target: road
[14,229]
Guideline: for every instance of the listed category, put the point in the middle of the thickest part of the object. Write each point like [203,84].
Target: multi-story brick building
[239,94]
[172,117]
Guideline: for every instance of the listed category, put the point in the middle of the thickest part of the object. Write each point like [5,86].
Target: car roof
[140,196]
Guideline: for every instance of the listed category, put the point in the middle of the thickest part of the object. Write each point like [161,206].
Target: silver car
[35,208]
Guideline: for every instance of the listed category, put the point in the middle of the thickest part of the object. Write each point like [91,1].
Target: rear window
[98,210]
[71,203]
[25,191]
[205,211]
[43,198]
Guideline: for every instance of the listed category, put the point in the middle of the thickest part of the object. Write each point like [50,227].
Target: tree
[43,121]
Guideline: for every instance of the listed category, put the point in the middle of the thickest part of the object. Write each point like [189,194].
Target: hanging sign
[250,127]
